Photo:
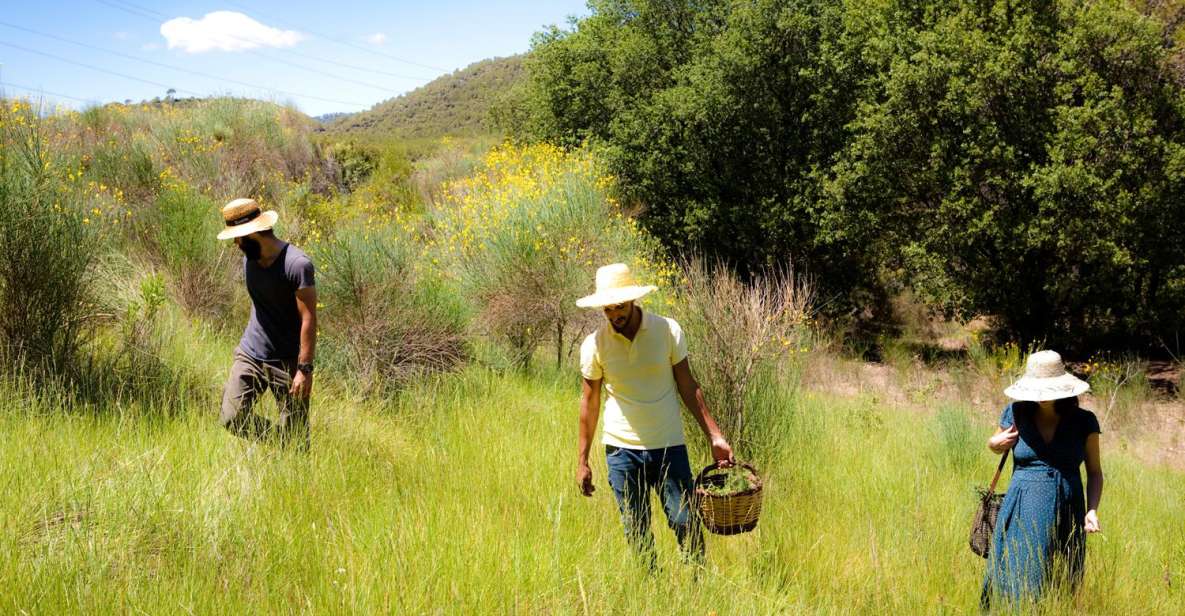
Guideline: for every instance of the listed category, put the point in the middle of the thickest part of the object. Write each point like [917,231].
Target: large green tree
[1015,158]
[1025,160]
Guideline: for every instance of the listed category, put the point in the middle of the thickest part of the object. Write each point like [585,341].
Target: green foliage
[390,185]
[960,442]
[47,245]
[1027,162]
[386,318]
[1022,161]
[355,163]
[461,500]
[184,228]
[523,237]
[739,336]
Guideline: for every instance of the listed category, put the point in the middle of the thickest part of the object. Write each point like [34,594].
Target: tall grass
[456,495]
[464,503]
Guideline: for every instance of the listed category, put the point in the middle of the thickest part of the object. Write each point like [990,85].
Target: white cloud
[224,31]
[378,38]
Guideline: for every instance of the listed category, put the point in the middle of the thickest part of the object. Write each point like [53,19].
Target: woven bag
[983,525]
[728,514]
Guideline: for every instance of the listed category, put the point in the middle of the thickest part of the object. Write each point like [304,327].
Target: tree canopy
[1022,159]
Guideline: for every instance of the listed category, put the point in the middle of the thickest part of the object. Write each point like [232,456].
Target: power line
[354,66]
[96,68]
[148,14]
[337,40]
[166,86]
[174,67]
[325,73]
[141,12]
[44,91]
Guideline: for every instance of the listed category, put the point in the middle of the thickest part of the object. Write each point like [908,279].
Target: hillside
[455,104]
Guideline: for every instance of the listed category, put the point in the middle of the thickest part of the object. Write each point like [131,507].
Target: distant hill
[454,104]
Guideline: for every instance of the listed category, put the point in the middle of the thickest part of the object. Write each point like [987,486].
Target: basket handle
[715,465]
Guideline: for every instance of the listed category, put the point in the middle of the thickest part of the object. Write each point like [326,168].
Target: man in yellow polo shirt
[641,359]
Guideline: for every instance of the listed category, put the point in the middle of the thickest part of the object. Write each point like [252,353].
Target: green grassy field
[458,497]
[437,486]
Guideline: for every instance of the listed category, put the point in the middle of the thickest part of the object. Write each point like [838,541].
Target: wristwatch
[305,368]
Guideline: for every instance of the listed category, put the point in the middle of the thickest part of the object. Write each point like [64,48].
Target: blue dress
[1039,533]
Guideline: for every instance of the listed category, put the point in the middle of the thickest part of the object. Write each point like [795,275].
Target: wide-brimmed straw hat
[1045,379]
[243,217]
[615,285]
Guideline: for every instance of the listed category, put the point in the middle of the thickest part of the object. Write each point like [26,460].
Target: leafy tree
[1025,160]
[1019,159]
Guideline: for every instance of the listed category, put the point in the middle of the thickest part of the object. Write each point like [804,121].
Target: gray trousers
[250,377]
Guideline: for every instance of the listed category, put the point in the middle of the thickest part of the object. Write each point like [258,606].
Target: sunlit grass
[458,498]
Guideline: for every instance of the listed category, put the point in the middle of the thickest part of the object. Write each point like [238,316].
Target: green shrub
[184,229]
[354,163]
[1020,160]
[47,242]
[524,236]
[386,318]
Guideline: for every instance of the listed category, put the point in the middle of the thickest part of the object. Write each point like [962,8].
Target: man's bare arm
[590,410]
[697,405]
[306,305]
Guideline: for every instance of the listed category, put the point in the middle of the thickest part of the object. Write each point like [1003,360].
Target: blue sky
[323,57]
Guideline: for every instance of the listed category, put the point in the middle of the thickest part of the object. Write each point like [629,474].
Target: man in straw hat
[641,359]
[277,347]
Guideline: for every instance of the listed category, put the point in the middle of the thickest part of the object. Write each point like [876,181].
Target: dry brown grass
[741,330]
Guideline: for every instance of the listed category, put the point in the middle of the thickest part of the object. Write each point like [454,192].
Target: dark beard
[251,248]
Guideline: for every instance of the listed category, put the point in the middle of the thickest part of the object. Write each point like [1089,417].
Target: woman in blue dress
[1040,535]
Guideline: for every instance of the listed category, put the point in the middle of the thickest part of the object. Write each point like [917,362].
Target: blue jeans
[633,473]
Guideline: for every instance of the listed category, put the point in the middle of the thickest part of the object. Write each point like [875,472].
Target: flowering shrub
[45,237]
[523,237]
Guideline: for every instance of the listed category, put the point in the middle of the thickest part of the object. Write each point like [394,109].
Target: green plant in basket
[729,481]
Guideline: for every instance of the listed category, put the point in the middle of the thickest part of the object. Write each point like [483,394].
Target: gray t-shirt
[274,329]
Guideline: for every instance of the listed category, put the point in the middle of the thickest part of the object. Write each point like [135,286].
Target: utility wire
[325,73]
[44,91]
[174,67]
[96,68]
[166,86]
[337,40]
[148,14]
[354,66]
[140,12]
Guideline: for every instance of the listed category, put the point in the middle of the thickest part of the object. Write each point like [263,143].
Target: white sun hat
[615,285]
[1045,379]
[243,217]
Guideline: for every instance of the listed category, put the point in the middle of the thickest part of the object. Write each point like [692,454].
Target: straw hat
[615,285]
[243,217]
[1046,378]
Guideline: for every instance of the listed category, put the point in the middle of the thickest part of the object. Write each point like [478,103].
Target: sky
[323,57]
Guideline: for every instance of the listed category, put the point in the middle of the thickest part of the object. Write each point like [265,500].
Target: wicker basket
[728,514]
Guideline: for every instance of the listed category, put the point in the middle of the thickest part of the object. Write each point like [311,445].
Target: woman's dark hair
[1063,406]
